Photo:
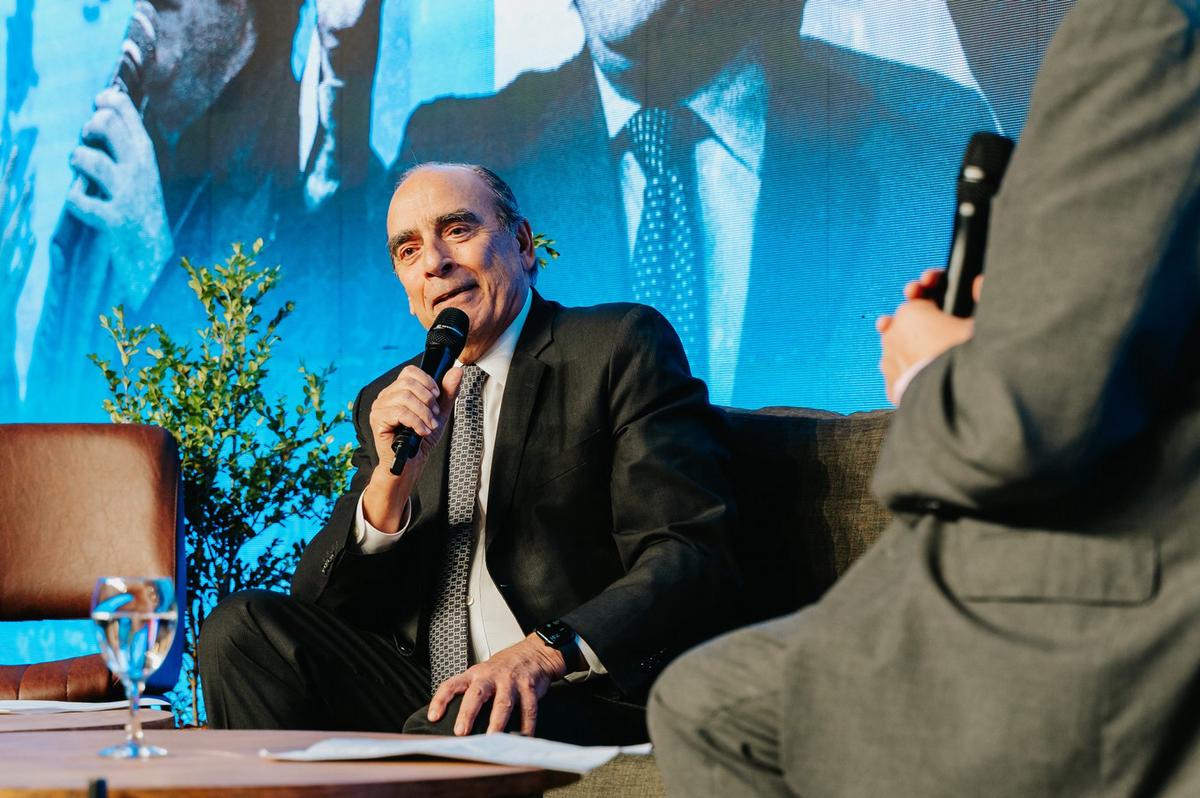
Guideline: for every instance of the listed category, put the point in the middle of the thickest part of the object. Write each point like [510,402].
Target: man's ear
[525,245]
[412,311]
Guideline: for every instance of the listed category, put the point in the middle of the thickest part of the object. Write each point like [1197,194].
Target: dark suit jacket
[608,504]
[857,189]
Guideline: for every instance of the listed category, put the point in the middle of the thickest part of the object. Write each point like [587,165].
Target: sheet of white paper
[54,707]
[500,749]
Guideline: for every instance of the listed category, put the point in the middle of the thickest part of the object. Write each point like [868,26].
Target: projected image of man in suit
[706,159]
[571,482]
[213,160]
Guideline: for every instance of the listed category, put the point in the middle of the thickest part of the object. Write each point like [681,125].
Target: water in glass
[135,622]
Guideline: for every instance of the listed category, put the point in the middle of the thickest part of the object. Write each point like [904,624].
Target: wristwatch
[559,635]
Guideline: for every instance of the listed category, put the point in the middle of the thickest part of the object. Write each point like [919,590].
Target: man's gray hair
[507,211]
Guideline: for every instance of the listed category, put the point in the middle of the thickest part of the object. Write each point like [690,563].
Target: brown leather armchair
[79,501]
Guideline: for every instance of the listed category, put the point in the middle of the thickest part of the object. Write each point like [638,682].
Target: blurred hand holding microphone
[113,235]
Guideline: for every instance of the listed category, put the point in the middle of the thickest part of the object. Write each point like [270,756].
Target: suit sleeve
[332,573]
[671,510]
[1091,294]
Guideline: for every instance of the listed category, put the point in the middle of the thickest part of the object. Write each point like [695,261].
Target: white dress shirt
[728,163]
[490,621]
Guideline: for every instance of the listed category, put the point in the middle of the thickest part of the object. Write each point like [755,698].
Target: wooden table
[66,721]
[226,763]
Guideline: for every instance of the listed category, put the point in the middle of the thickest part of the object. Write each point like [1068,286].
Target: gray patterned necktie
[667,266]
[448,639]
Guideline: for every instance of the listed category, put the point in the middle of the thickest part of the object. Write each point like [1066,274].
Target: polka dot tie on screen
[448,622]
[666,267]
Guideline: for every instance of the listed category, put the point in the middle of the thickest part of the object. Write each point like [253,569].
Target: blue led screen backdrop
[818,142]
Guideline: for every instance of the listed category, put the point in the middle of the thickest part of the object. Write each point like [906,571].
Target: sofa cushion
[627,775]
[802,481]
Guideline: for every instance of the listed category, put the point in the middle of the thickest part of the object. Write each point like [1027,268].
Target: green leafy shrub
[250,464]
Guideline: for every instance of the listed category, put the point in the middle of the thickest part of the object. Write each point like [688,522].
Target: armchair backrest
[80,501]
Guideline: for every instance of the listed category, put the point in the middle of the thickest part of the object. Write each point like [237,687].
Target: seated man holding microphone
[1028,624]
[556,539]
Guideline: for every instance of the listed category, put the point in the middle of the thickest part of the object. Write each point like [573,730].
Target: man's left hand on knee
[513,680]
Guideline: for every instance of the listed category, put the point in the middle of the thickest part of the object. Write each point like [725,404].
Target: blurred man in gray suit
[1029,624]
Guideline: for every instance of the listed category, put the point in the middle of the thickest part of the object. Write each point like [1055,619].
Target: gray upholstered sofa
[802,482]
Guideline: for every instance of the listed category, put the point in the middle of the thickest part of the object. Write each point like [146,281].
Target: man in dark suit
[1028,624]
[810,178]
[539,564]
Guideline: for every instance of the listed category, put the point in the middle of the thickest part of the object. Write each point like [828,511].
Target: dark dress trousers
[608,508]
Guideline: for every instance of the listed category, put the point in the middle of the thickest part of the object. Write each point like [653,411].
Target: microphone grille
[449,330]
[137,53]
[143,31]
[986,158]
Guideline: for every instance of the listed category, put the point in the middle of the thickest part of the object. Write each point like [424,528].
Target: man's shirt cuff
[372,541]
[907,377]
[595,666]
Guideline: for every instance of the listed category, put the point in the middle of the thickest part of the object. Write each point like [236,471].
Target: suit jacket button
[404,648]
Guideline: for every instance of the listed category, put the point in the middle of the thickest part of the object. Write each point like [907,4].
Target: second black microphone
[979,179]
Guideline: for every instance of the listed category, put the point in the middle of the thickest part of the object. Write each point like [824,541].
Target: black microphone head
[449,330]
[143,30]
[986,159]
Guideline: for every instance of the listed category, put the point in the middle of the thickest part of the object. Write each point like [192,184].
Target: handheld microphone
[75,283]
[443,345]
[983,167]
[137,57]
[137,54]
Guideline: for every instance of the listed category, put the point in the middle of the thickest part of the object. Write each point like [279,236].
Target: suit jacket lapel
[814,127]
[567,170]
[520,398]
[431,485]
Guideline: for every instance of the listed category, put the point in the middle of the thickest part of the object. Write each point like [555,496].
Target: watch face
[556,634]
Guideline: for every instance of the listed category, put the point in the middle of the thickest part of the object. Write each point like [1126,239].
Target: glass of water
[135,623]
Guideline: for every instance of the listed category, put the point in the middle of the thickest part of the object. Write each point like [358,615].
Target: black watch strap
[559,635]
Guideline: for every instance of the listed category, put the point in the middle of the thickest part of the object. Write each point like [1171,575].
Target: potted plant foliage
[252,465]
